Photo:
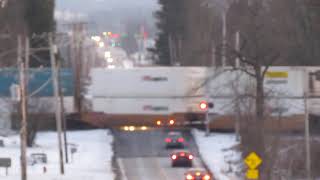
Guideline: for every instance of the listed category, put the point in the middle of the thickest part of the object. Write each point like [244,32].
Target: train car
[152,94]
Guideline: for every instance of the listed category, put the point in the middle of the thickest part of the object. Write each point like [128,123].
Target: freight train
[161,95]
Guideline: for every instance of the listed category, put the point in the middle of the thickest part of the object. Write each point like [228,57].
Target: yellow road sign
[252,174]
[253,160]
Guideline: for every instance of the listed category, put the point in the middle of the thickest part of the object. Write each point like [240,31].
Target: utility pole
[23,130]
[213,52]
[237,104]
[224,37]
[207,120]
[26,74]
[57,98]
[27,53]
[237,47]
[306,126]
[64,123]
[77,63]
[172,49]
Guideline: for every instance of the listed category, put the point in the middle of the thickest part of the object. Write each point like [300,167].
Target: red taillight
[189,177]
[171,122]
[180,140]
[182,154]
[206,177]
[174,157]
[168,140]
[190,157]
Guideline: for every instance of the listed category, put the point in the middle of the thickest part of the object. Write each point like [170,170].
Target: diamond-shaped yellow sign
[253,160]
[252,174]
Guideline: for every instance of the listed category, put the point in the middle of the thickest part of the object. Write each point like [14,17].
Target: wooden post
[23,129]
[64,122]
[57,104]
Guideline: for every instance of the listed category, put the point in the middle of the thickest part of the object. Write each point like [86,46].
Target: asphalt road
[141,155]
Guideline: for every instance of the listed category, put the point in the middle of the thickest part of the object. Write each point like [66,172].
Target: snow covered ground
[92,161]
[219,154]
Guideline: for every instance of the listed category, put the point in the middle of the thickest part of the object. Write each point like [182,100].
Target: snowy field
[219,154]
[92,161]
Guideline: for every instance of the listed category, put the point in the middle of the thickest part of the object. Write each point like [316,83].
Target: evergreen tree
[171,25]
[40,21]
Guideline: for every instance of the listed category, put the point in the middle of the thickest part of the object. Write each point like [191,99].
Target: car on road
[175,140]
[197,174]
[181,158]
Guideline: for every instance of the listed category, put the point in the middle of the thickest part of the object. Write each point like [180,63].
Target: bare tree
[11,24]
[258,51]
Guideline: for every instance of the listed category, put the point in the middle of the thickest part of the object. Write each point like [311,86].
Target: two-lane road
[141,155]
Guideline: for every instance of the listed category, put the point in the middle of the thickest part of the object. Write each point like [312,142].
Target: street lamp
[107,54]
[96,38]
[101,44]
[110,60]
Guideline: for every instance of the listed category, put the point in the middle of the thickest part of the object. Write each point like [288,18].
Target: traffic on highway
[159,154]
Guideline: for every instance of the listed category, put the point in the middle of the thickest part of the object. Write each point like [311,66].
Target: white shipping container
[146,82]
[158,106]
[146,106]
[285,82]
[167,90]
[280,81]
[227,84]
[133,106]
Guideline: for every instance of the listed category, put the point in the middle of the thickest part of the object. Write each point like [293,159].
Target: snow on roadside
[93,160]
[217,152]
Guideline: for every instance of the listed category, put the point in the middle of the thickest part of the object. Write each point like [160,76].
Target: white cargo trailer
[180,89]
[148,106]
[146,82]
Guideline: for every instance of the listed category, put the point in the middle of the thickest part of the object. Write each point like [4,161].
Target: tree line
[190,31]
[249,36]
[26,18]
[33,19]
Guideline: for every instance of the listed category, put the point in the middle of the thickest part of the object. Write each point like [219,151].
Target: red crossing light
[203,105]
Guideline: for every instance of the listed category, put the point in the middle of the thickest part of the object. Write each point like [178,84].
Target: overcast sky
[106,14]
[85,6]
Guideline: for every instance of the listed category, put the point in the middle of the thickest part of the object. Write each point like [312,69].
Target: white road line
[161,169]
[197,162]
[142,169]
[122,170]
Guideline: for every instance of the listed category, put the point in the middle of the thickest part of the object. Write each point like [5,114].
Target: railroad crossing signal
[252,161]
[204,105]
[210,105]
